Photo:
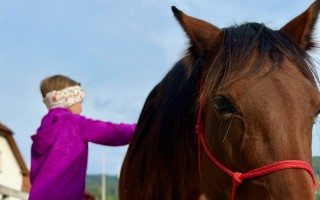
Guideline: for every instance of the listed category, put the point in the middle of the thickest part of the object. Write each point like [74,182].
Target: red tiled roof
[26,185]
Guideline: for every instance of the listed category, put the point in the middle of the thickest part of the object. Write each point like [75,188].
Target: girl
[59,152]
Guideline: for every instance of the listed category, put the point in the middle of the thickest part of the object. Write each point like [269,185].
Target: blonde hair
[56,82]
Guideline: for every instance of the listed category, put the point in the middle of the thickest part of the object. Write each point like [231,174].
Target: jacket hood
[46,133]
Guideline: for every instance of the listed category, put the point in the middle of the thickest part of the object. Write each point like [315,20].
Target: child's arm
[106,133]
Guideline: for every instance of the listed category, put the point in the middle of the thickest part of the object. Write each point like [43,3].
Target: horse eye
[221,104]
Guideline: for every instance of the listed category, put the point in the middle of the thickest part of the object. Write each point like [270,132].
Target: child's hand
[88,196]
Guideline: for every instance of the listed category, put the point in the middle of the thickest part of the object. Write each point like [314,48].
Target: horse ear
[203,35]
[301,28]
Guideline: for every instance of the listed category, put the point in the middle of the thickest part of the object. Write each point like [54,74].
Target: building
[14,174]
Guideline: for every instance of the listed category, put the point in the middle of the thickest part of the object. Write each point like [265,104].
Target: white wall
[10,174]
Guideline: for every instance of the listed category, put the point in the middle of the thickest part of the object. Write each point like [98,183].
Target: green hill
[316,169]
[316,165]
[94,183]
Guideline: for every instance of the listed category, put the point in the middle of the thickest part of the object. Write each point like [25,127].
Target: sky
[118,51]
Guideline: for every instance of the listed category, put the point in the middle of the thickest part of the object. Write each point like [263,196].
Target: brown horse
[254,93]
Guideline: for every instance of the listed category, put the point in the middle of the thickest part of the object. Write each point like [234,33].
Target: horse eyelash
[225,119]
[224,138]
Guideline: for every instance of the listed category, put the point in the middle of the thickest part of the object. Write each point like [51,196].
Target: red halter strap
[239,177]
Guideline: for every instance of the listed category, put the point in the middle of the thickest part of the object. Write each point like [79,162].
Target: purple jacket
[59,152]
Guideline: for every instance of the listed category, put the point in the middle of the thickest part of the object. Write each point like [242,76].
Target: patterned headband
[64,98]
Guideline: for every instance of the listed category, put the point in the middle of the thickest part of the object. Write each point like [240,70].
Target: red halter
[238,177]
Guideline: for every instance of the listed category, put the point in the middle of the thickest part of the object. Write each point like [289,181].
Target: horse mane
[238,44]
[161,136]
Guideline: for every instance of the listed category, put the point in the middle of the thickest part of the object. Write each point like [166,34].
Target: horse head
[258,99]
[252,92]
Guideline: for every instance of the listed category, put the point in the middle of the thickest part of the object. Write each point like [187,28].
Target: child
[59,152]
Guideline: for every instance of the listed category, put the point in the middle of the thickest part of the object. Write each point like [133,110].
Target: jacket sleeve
[106,133]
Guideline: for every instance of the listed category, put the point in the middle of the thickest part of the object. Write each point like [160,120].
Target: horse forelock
[250,47]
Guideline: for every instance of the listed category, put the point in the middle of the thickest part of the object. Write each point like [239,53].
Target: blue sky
[118,50]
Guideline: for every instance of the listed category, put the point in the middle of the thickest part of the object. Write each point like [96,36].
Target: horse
[232,119]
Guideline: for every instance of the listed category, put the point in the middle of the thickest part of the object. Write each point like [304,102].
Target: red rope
[237,177]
